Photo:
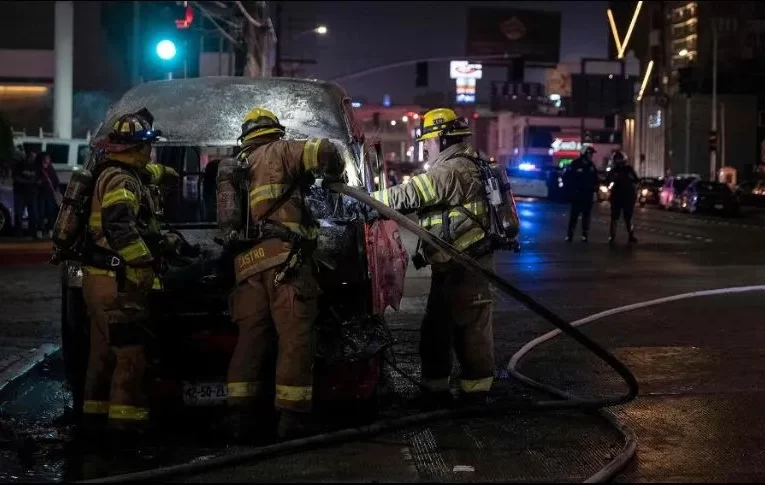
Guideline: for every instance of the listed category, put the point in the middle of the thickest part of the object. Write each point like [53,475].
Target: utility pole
[713,153]
[136,66]
[64,52]
[722,135]
[687,133]
[279,39]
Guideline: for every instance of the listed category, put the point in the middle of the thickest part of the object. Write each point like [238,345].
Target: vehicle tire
[5,221]
[75,344]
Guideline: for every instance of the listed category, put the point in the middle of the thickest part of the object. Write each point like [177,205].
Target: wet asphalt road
[699,361]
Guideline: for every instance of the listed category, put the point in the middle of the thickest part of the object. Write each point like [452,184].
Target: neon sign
[560,145]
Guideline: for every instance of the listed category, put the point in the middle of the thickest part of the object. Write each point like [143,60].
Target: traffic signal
[421,78]
[166,49]
[713,141]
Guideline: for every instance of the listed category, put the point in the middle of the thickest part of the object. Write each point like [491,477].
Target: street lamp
[319,30]
[683,53]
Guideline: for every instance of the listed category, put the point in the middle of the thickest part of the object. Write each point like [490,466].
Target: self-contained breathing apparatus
[503,223]
[233,188]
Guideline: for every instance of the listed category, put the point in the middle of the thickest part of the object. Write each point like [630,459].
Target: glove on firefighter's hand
[143,277]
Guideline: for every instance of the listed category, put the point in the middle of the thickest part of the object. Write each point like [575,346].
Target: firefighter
[622,180]
[274,303]
[451,203]
[580,181]
[120,262]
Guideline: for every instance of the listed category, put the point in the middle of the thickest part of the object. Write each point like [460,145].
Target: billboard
[463,69]
[531,34]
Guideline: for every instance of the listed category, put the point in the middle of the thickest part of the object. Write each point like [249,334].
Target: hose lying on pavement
[569,402]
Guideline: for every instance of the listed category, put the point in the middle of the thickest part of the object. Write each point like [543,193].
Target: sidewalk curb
[26,364]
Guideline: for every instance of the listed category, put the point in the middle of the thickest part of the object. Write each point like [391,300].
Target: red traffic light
[186,21]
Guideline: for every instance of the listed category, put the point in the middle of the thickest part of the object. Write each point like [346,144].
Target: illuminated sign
[465,91]
[463,69]
[566,145]
[564,162]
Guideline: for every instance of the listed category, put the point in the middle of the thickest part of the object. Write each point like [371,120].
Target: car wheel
[75,343]
[5,221]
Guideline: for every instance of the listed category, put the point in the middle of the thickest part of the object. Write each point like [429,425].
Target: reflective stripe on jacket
[274,167]
[450,194]
[122,216]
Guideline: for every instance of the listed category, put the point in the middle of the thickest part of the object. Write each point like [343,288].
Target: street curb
[26,364]
[25,252]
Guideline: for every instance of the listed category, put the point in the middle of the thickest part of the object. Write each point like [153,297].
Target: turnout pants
[458,318]
[273,318]
[619,207]
[579,206]
[117,377]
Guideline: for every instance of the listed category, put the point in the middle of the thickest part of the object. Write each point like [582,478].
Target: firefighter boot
[294,425]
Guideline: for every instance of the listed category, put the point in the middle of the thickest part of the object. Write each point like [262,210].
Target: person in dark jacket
[622,180]
[27,180]
[580,180]
[50,195]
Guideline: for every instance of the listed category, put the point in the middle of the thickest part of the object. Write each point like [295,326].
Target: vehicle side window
[59,152]
[83,152]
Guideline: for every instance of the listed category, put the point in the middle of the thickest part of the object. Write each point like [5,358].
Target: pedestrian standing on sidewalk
[27,180]
[49,198]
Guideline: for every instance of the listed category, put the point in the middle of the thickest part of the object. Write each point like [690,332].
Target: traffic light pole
[687,133]
[713,153]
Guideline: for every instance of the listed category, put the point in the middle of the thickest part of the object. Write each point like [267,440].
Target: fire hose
[565,401]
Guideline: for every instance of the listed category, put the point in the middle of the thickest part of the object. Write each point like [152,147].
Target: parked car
[671,193]
[200,119]
[751,193]
[649,190]
[704,196]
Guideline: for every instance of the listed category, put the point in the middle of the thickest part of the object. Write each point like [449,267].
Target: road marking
[626,308]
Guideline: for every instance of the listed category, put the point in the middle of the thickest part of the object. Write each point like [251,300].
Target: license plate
[204,394]
[718,206]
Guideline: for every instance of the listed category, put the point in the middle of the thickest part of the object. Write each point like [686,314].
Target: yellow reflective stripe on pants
[242,389]
[94,221]
[311,154]
[310,232]
[118,196]
[135,250]
[267,192]
[294,393]
[425,188]
[95,407]
[98,271]
[381,196]
[130,413]
[469,238]
[476,385]
[435,385]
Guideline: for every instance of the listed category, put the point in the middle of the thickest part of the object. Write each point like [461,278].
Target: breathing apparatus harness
[498,199]
[265,228]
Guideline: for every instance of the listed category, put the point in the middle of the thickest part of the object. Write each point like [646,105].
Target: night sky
[367,34]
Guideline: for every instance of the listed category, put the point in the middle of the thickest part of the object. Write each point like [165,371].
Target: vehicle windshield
[714,187]
[191,199]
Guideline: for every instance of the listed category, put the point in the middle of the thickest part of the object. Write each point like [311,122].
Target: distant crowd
[36,188]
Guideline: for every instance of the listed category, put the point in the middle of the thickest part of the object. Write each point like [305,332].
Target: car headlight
[603,189]
[644,191]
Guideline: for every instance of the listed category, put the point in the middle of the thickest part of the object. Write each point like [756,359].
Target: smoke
[89,110]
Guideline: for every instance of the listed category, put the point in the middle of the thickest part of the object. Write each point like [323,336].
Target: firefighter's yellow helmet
[259,122]
[442,122]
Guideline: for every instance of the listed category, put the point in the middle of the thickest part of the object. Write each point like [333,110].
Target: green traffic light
[166,49]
